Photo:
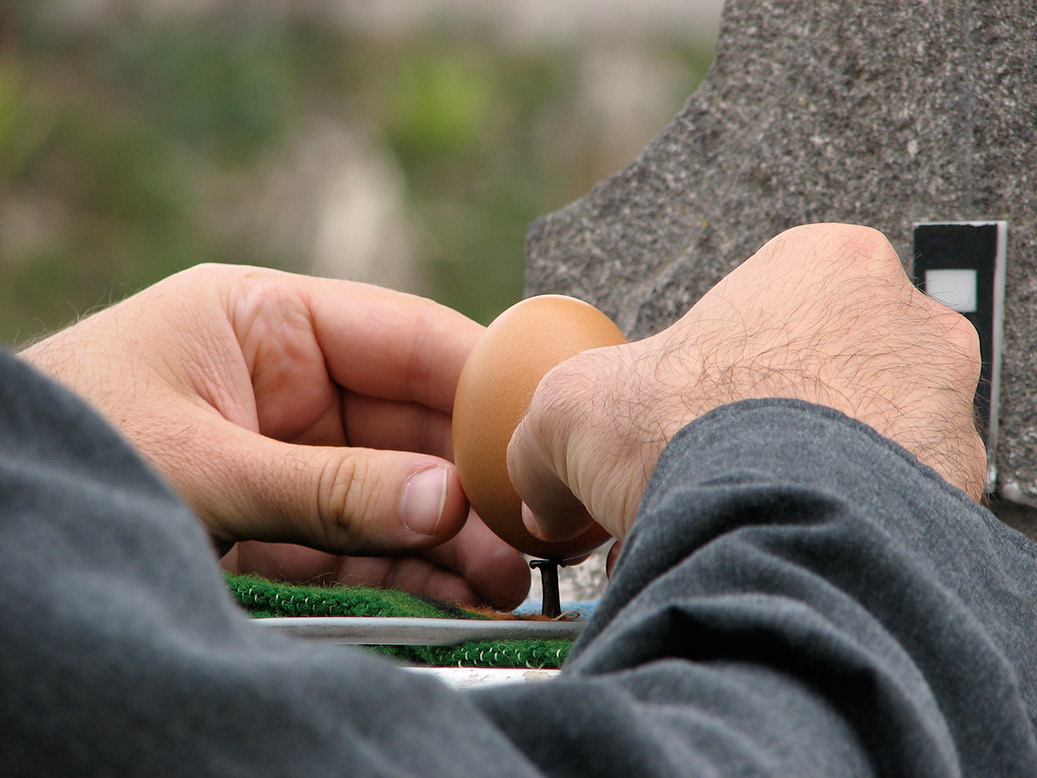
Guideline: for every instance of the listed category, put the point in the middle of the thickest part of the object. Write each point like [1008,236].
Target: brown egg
[493,393]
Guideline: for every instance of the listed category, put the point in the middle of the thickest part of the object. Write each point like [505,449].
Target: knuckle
[559,392]
[567,406]
[958,340]
[847,237]
[579,392]
[340,496]
[836,253]
[965,339]
[869,247]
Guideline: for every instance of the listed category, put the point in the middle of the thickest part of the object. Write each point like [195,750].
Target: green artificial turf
[262,598]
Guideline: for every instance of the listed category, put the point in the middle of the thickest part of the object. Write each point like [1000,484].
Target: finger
[281,562]
[338,499]
[496,572]
[410,348]
[565,522]
[475,567]
[301,565]
[414,574]
[613,557]
[399,426]
[550,510]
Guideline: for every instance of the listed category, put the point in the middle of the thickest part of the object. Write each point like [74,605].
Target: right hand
[822,313]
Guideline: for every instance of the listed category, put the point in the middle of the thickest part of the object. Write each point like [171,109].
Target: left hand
[298,410]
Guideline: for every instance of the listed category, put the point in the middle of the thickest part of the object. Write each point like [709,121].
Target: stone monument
[876,112]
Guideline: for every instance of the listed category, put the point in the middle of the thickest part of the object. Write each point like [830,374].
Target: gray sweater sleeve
[799,597]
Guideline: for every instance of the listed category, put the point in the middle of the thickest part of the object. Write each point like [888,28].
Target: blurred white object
[463,677]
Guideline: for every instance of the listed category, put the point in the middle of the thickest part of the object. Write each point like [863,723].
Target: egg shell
[493,393]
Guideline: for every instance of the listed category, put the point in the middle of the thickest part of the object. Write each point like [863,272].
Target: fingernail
[530,522]
[424,497]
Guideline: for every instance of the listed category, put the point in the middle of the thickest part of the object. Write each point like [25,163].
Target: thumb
[338,499]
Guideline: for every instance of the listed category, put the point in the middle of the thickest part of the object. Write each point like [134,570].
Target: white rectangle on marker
[954,288]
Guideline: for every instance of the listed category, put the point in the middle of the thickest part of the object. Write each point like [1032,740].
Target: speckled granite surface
[881,112]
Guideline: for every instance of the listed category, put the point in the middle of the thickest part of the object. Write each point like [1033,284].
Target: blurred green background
[138,139]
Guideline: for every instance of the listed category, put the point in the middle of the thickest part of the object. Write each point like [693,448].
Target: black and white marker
[962,264]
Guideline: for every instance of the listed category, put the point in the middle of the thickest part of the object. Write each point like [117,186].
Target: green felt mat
[263,598]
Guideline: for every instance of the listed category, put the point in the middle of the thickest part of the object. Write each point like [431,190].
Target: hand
[300,410]
[823,313]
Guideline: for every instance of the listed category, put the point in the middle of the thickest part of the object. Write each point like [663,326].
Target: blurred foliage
[109,135]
